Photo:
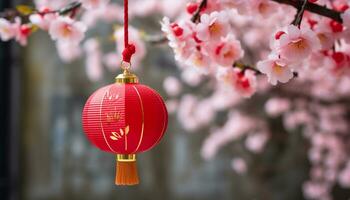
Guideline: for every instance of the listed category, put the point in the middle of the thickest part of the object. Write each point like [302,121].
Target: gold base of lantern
[126,170]
[126,76]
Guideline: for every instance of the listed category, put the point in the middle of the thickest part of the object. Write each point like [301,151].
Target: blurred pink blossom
[68,51]
[94,4]
[277,106]
[239,165]
[172,86]
[93,60]
[256,142]
[7,30]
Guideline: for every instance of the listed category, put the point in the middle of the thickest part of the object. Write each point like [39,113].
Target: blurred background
[44,154]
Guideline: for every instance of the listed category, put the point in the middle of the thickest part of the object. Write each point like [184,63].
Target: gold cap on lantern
[126,76]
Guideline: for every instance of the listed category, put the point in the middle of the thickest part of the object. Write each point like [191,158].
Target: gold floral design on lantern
[113,117]
[119,135]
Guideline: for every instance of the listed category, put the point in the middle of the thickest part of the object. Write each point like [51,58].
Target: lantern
[125,118]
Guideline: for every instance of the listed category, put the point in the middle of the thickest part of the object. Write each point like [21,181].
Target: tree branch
[244,67]
[314,8]
[300,13]
[196,16]
[68,9]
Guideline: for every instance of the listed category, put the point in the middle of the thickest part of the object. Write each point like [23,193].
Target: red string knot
[128,52]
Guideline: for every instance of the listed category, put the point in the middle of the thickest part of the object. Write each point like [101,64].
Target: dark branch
[314,8]
[300,13]
[72,7]
[245,67]
[196,16]
[68,9]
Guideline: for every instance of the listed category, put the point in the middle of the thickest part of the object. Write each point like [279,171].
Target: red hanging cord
[129,49]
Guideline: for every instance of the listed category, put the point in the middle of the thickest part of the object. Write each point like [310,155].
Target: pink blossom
[200,61]
[171,8]
[276,69]
[7,30]
[191,77]
[172,106]
[94,4]
[93,60]
[296,118]
[143,7]
[264,8]
[67,30]
[315,190]
[111,13]
[242,6]
[213,26]
[135,39]
[295,44]
[344,177]
[43,20]
[204,112]
[112,61]
[222,99]
[346,18]
[239,165]
[325,34]
[68,51]
[276,106]
[54,4]
[244,83]
[236,126]
[22,31]
[172,86]
[181,40]
[256,142]
[186,110]
[227,51]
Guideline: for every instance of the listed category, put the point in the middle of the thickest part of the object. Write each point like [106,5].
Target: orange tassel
[126,170]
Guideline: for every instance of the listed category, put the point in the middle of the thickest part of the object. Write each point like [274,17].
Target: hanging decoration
[125,118]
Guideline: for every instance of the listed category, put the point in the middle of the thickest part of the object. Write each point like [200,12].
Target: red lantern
[125,118]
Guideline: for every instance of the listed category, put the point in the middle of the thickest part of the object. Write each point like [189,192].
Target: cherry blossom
[295,45]
[177,34]
[276,69]
[239,165]
[227,51]
[7,30]
[244,83]
[213,26]
[93,59]
[94,4]
[264,8]
[277,106]
[172,86]
[22,32]
[43,19]
[256,142]
[346,18]
[67,51]
[67,30]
